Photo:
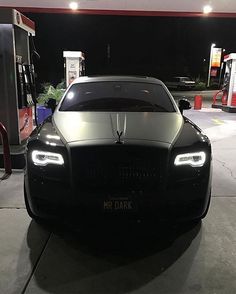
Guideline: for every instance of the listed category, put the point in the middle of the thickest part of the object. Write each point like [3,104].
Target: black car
[118,147]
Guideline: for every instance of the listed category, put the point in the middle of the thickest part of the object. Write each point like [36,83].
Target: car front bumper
[56,199]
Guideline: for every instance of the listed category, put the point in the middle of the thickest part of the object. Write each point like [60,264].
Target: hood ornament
[119,134]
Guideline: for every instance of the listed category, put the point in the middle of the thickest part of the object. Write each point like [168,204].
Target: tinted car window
[117,96]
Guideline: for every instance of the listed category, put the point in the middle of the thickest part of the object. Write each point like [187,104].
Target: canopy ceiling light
[73,5]
[207,9]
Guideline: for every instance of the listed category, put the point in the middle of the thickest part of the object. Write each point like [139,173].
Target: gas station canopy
[226,8]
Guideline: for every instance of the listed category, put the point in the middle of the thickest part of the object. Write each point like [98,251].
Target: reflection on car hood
[151,126]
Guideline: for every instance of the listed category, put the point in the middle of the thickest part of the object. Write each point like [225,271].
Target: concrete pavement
[184,260]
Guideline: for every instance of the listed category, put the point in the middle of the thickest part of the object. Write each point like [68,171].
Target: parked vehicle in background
[181,83]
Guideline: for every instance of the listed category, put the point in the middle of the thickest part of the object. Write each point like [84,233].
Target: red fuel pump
[16,86]
[17,83]
[228,92]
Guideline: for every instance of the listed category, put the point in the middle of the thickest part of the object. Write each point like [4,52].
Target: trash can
[42,113]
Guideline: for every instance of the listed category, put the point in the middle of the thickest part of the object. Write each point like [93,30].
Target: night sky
[152,46]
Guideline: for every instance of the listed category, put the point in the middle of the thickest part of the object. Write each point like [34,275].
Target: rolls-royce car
[118,146]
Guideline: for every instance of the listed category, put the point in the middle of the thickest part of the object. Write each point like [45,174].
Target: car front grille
[118,167]
[113,174]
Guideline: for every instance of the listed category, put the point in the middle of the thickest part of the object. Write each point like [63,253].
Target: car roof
[113,78]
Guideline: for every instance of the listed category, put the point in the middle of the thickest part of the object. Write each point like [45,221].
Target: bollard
[198,102]
[6,151]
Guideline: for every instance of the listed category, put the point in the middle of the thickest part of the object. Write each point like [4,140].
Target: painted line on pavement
[218,121]
[225,130]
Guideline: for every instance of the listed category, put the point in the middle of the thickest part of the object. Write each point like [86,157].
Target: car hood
[150,126]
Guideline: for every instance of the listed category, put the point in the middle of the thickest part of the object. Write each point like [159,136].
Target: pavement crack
[226,167]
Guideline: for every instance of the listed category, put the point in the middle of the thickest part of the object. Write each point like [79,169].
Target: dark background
[153,46]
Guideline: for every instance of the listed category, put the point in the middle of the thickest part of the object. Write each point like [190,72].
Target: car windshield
[117,96]
[186,79]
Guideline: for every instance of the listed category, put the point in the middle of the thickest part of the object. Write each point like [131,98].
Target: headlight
[44,158]
[196,159]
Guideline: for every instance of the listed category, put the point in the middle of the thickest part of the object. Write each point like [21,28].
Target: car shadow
[115,258]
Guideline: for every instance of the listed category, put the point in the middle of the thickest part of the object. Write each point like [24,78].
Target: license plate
[118,205]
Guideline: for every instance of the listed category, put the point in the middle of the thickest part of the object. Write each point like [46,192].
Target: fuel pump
[229,85]
[17,82]
[74,65]
[228,91]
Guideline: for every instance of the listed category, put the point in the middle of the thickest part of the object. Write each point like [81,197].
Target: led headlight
[196,159]
[44,158]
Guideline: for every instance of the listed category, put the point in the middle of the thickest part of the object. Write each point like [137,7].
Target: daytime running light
[44,158]
[196,159]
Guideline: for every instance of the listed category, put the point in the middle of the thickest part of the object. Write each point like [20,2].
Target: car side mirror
[184,104]
[52,104]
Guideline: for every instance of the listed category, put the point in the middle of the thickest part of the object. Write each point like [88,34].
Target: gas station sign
[216,57]
[214,72]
